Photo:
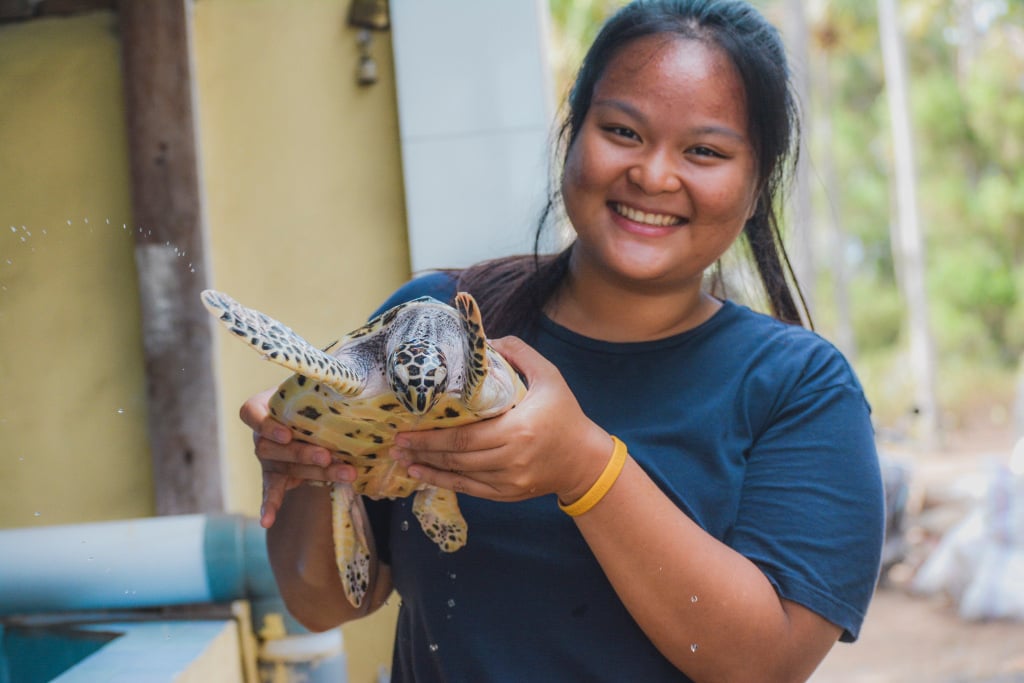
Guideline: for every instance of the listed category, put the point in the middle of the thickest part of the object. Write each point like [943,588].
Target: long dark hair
[512,291]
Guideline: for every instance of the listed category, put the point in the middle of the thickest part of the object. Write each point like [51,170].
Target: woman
[731,529]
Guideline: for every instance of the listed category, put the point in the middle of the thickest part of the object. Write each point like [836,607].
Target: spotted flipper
[351,549]
[476,348]
[279,343]
[438,513]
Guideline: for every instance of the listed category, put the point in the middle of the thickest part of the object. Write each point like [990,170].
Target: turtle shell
[419,365]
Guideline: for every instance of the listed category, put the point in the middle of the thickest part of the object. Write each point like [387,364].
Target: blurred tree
[908,242]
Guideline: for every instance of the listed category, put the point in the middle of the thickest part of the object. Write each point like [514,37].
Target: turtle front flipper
[351,547]
[278,343]
[475,348]
[438,513]
[491,384]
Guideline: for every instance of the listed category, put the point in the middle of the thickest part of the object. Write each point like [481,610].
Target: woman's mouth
[659,220]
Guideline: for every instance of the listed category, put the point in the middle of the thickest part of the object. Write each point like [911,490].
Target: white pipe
[132,563]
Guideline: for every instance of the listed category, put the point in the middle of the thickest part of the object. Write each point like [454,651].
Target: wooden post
[170,255]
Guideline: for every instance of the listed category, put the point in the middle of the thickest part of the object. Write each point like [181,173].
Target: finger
[255,413]
[274,487]
[476,437]
[299,473]
[296,452]
[458,482]
[523,356]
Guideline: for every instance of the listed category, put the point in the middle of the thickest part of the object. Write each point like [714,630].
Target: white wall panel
[475,115]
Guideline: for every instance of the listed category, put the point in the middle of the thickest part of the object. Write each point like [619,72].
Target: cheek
[574,181]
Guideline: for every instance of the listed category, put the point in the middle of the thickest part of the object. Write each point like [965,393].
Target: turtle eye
[440,379]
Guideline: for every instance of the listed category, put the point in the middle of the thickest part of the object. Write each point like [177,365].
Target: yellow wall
[72,395]
[302,183]
[302,173]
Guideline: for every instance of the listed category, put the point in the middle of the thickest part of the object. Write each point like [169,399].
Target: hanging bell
[366,70]
[371,14]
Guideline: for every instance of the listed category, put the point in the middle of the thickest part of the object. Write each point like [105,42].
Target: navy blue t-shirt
[758,430]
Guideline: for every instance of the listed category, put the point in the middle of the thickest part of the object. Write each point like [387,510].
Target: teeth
[658,219]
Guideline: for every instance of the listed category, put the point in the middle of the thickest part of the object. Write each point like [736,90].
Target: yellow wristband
[596,492]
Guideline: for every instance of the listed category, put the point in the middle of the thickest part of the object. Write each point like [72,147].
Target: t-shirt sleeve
[812,508]
[441,286]
[438,284]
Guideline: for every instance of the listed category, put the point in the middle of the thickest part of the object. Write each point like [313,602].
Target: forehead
[673,72]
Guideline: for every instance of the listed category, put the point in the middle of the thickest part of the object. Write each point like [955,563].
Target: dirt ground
[912,638]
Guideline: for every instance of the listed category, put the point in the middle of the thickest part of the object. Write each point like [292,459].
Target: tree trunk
[845,338]
[801,237]
[907,240]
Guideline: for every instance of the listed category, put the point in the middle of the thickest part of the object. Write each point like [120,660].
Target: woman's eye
[702,151]
[622,131]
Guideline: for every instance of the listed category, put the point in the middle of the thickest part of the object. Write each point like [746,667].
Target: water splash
[693,647]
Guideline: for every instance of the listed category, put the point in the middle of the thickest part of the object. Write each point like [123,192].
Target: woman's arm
[298,521]
[705,606]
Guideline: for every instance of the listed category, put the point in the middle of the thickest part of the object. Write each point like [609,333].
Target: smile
[656,219]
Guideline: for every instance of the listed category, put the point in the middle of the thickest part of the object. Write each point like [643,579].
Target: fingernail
[402,441]
[322,458]
[280,435]
[343,474]
[415,473]
[401,455]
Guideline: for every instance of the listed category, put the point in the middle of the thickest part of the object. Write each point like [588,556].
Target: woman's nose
[655,173]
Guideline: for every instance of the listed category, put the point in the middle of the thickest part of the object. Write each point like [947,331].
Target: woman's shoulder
[784,348]
[439,284]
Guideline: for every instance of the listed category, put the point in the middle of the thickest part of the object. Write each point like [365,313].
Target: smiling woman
[689,489]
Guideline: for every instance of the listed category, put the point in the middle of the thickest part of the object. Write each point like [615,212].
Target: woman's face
[661,176]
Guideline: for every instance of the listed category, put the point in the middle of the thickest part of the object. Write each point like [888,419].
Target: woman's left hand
[544,445]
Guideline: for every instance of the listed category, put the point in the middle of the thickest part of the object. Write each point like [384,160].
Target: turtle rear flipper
[438,513]
[278,343]
[351,547]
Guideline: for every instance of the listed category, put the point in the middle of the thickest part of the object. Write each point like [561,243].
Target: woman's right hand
[286,462]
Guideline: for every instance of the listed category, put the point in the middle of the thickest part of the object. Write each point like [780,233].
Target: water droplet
[14,229]
[37,514]
[108,221]
[694,598]
[451,575]
[434,647]
[404,525]
[120,411]
[69,221]
[87,221]
[451,602]
[693,647]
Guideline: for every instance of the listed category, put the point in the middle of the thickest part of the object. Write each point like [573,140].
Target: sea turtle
[420,365]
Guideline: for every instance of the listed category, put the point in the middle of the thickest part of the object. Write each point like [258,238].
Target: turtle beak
[418,387]
[430,388]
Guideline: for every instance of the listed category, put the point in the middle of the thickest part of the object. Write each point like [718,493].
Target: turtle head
[418,375]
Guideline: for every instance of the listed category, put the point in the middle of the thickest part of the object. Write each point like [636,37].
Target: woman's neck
[600,308]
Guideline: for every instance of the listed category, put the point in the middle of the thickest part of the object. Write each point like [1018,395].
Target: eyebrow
[632,111]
